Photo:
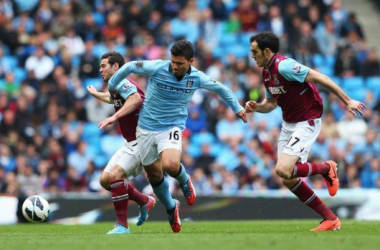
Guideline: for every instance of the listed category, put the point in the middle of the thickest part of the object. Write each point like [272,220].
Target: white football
[35,209]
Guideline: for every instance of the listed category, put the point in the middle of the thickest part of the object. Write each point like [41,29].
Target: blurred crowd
[50,51]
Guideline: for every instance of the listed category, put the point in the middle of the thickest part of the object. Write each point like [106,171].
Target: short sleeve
[291,70]
[126,88]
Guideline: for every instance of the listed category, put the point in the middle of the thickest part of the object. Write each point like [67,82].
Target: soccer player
[290,85]
[171,84]
[127,99]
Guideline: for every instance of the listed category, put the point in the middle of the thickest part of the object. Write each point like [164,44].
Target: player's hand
[250,106]
[354,105]
[92,90]
[106,122]
[242,115]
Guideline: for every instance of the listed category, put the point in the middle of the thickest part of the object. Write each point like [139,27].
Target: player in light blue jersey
[171,85]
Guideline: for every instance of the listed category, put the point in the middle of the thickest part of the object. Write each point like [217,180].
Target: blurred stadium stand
[45,111]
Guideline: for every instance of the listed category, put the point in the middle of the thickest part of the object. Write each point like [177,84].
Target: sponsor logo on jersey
[173,89]
[139,64]
[297,68]
[277,90]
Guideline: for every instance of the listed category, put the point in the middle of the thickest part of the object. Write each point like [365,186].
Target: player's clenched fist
[91,89]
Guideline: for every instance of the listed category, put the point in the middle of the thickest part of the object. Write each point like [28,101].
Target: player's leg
[289,156]
[132,167]
[104,181]
[306,195]
[112,179]
[297,141]
[160,187]
[152,164]
[127,167]
[170,147]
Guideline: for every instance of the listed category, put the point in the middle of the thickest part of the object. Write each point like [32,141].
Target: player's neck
[271,57]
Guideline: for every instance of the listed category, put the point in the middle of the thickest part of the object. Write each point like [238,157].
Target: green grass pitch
[209,235]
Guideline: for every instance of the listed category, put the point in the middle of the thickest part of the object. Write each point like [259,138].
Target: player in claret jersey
[290,85]
[127,99]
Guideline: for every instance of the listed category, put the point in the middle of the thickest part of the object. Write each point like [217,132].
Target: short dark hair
[266,40]
[114,57]
[183,48]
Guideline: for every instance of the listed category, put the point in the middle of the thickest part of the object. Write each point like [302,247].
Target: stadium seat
[330,61]
[319,60]
[327,70]
[91,132]
[231,5]
[373,84]
[20,74]
[244,39]
[357,93]
[99,18]
[202,4]
[75,61]
[96,82]
[10,61]
[193,150]
[352,83]
[99,49]
[238,50]
[228,40]
[218,52]
[199,139]
[337,80]
[110,144]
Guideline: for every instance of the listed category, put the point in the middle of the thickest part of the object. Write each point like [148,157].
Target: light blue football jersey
[165,105]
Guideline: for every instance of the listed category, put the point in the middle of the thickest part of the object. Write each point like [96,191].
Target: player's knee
[115,175]
[283,171]
[104,182]
[154,176]
[171,167]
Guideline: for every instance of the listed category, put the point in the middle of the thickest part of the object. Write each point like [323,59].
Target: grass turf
[207,235]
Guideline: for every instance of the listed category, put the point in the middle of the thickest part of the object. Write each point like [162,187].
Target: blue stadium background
[50,51]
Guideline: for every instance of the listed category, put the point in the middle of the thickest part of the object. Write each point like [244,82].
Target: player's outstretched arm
[266,106]
[325,81]
[104,96]
[225,93]
[132,103]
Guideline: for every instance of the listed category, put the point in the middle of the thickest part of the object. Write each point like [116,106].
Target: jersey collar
[271,61]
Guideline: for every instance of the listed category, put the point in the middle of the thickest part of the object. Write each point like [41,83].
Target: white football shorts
[298,138]
[127,157]
[151,143]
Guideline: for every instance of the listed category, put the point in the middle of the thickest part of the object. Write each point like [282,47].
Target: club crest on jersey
[297,68]
[189,83]
[139,64]
[275,79]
